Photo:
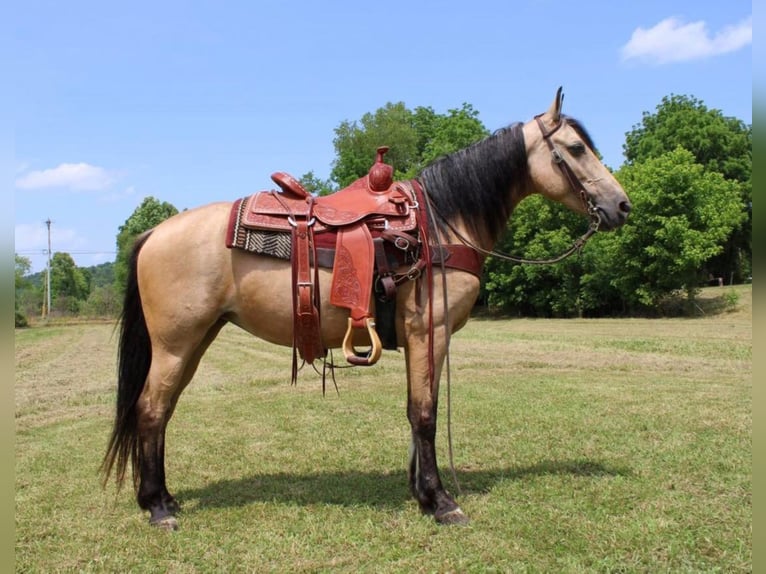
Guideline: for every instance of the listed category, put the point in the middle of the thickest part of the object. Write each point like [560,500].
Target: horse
[184,285]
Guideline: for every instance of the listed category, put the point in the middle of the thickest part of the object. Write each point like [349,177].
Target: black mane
[478,182]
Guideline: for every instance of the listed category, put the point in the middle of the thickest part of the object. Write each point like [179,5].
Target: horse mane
[478,183]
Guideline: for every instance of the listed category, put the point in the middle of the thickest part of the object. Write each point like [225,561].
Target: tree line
[687,171]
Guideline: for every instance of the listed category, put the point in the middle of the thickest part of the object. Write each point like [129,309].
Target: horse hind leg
[168,376]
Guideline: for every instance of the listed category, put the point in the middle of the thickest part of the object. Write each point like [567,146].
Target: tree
[356,143]
[719,144]
[414,137]
[686,214]
[316,186]
[22,267]
[149,214]
[445,134]
[69,285]
[539,229]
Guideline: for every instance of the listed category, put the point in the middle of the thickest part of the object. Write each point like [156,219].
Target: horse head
[564,167]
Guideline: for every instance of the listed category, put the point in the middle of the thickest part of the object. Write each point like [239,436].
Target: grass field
[580,446]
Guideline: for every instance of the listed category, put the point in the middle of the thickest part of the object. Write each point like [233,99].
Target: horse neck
[476,189]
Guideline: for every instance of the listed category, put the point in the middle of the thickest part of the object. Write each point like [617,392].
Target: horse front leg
[422,402]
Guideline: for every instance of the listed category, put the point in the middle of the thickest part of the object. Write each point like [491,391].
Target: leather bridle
[558,158]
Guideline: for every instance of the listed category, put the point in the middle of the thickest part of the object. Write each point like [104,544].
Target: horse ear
[555,110]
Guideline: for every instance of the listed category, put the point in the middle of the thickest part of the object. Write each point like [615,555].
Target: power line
[45,251]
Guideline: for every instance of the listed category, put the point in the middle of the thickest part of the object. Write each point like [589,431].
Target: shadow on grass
[374,489]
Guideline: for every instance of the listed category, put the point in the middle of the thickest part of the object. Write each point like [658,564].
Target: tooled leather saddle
[365,232]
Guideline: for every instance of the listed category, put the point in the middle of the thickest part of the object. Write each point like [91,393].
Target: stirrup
[371,356]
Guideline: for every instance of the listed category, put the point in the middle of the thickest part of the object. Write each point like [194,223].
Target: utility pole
[47,309]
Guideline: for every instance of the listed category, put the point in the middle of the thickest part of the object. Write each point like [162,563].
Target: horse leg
[168,376]
[422,401]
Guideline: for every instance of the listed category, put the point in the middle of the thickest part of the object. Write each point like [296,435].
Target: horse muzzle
[614,217]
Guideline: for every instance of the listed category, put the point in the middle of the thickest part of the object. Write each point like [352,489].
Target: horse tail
[134,360]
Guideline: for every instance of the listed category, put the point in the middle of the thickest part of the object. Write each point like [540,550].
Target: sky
[195,102]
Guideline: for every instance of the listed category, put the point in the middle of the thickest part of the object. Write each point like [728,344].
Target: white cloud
[674,41]
[76,176]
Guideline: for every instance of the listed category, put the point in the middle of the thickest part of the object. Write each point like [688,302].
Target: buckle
[291,221]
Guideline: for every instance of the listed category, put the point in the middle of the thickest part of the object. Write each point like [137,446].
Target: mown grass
[580,446]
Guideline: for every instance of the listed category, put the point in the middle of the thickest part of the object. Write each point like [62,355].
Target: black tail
[135,357]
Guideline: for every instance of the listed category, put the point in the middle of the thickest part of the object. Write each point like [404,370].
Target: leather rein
[576,186]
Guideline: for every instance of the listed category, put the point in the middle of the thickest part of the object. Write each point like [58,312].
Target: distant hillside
[100,275]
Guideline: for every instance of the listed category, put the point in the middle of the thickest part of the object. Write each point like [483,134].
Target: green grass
[580,446]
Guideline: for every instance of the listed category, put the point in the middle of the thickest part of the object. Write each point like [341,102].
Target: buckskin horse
[421,241]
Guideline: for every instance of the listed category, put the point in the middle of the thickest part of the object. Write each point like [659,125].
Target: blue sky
[195,102]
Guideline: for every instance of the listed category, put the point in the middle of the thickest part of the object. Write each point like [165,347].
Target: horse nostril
[625,206]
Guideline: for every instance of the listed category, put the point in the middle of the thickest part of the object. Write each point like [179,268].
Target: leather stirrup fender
[376,348]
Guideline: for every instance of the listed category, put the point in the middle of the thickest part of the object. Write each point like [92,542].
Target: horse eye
[576,148]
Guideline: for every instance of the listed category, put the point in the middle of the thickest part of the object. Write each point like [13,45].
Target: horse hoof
[168,523]
[456,517]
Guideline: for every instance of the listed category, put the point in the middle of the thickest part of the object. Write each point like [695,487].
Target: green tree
[69,285]
[22,267]
[22,284]
[457,129]
[686,214]
[414,137]
[315,185]
[355,142]
[539,229]
[102,302]
[149,214]
[718,143]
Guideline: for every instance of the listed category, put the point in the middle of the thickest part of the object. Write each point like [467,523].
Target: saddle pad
[273,243]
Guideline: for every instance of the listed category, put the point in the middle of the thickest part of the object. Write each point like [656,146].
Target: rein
[577,187]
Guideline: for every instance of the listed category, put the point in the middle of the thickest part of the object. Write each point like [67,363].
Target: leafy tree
[22,267]
[315,185]
[149,214]
[686,213]
[102,302]
[69,285]
[100,275]
[718,143]
[356,143]
[457,129]
[538,229]
[414,138]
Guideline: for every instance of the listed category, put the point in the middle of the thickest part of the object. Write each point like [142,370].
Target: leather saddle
[359,221]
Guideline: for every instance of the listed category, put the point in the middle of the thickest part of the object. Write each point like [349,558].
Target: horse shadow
[374,489]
